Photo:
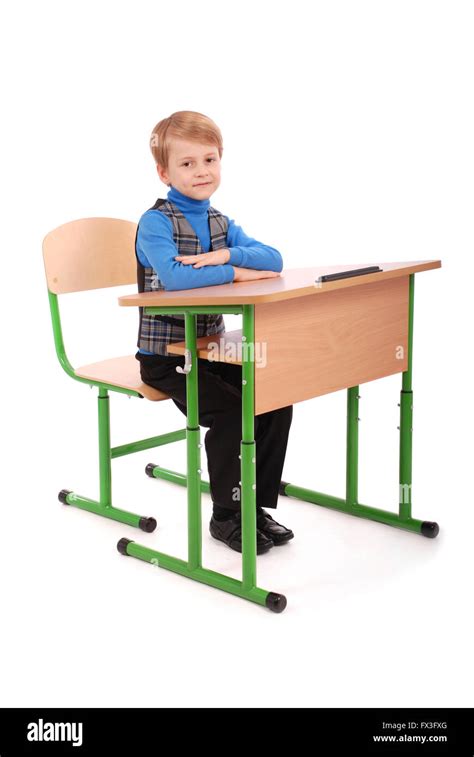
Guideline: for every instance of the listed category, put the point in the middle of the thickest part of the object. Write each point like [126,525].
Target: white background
[347,138]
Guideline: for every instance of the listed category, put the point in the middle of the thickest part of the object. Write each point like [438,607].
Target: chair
[95,253]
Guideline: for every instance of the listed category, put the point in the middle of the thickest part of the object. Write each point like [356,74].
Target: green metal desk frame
[247,588]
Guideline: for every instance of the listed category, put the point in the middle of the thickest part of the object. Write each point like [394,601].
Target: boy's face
[193,169]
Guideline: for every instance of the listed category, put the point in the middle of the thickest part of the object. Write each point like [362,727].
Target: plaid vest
[155,332]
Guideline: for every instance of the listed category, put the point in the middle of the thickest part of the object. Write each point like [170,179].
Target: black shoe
[230,532]
[273,530]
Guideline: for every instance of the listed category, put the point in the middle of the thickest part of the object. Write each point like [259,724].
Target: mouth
[204,184]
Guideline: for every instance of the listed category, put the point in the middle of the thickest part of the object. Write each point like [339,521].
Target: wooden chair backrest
[90,253]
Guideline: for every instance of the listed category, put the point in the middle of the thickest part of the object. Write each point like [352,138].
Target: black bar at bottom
[391,731]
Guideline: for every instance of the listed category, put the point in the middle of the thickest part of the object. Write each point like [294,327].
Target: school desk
[319,337]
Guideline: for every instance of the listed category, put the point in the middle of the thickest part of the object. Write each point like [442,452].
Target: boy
[182,243]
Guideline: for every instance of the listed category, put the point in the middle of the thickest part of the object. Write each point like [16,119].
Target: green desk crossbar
[247,587]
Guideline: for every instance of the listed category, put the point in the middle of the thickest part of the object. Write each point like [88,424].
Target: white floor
[376,616]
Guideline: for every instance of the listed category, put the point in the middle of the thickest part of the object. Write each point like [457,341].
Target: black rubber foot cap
[147,524]
[275,602]
[149,469]
[122,545]
[429,529]
[281,489]
[63,494]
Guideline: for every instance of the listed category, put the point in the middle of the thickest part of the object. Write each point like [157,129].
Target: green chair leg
[104,506]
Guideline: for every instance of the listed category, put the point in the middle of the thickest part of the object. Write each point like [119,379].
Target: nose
[203,169]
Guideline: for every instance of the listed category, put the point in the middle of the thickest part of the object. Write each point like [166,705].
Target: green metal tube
[203,575]
[406,446]
[154,441]
[390,519]
[406,417]
[58,335]
[113,513]
[361,511]
[105,466]
[317,498]
[177,478]
[193,310]
[61,352]
[352,446]
[193,449]
[248,452]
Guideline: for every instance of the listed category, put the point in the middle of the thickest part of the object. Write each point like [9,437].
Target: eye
[189,162]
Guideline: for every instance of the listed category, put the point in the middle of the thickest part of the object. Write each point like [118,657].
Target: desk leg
[248,452]
[352,446]
[193,449]
[406,418]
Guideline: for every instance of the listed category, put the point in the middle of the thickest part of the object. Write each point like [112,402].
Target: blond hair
[184,124]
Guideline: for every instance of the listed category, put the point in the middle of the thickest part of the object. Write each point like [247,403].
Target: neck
[181,200]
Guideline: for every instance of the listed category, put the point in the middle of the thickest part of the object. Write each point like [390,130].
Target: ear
[162,173]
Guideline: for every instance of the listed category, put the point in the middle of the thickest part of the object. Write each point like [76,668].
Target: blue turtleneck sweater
[156,247]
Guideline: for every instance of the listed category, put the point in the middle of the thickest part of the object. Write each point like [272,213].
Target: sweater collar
[185,203]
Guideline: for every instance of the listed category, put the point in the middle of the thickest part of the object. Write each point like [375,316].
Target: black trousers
[220,410]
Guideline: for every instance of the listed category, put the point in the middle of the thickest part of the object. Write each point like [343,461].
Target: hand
[215,257]
[249,274]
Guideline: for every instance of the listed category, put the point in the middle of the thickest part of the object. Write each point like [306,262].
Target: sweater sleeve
[248,253]
[156,249]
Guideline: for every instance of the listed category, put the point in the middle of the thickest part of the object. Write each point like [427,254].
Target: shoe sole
[283,541]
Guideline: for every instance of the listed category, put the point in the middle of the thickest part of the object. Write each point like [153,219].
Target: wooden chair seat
[123,372]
